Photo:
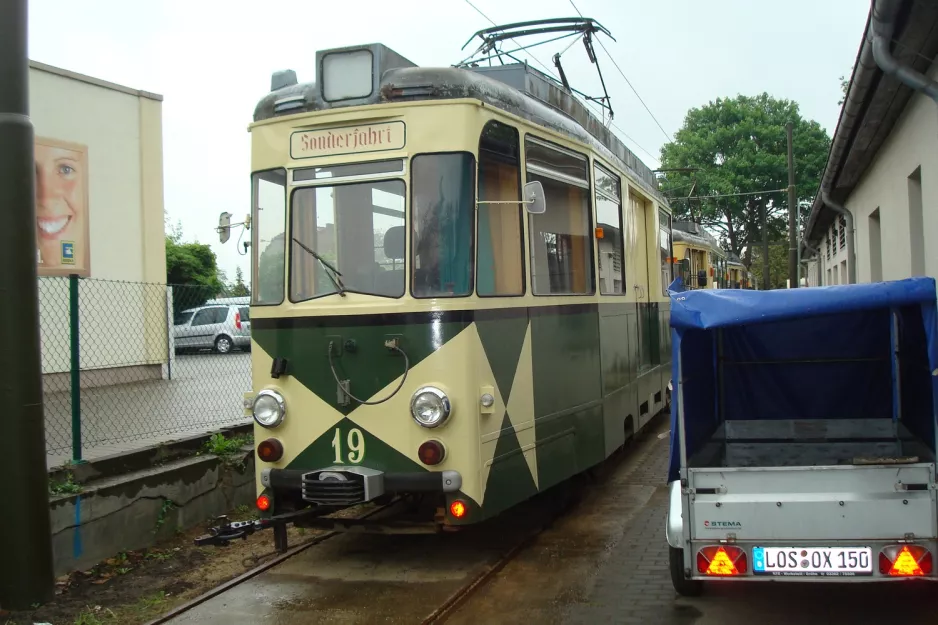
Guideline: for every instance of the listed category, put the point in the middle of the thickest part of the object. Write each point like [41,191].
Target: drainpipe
[883,25]
[851,231]
[817,255]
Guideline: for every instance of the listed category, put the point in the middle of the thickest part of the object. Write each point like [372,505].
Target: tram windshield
[355,228]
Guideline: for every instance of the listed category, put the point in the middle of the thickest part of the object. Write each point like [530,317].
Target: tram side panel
[567,390]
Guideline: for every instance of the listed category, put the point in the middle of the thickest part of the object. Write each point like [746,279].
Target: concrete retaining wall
[137,509]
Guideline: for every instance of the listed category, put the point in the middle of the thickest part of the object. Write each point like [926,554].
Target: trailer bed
[810,443]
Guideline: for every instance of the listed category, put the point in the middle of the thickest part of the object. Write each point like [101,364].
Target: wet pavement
[605,561]
[205,393]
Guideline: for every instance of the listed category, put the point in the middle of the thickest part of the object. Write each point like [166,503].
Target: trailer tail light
[263,503]
[238,319]
[722,561]
[905,561]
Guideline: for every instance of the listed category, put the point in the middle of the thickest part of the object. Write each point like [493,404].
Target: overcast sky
[211,60]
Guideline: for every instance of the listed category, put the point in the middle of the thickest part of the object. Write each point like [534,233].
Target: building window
[443,208]
[876,248]
[609,218]
[843,231]
[501,245]
[827,242]
[561,254]
[916,223]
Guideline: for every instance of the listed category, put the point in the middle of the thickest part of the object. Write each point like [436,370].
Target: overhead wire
[626,78]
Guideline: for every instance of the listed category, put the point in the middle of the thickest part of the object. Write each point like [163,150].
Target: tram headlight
[268,409]
[430,407]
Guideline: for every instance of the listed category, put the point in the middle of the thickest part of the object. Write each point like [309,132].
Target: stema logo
[720,525]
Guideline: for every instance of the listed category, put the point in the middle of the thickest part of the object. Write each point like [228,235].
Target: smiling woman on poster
[62,207]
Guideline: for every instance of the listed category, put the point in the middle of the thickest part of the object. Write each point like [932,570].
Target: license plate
[813,561]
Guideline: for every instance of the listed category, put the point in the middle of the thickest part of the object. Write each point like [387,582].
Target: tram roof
[515,88]
[700,237]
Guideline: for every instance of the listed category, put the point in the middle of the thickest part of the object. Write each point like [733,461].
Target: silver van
[217,327]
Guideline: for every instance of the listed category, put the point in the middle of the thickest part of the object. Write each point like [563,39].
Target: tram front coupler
[226,531]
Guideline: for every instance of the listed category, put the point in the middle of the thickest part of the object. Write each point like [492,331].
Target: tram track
[547,508]
[260,568]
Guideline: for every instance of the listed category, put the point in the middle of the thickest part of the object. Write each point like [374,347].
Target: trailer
[803,434]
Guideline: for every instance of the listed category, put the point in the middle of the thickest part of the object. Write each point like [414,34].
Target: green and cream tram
[459,291]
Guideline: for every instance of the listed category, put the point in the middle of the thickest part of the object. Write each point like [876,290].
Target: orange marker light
[457,509]
[911,561]
[263,503]
[722,561]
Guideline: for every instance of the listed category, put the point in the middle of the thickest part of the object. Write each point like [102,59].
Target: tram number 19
[356,446]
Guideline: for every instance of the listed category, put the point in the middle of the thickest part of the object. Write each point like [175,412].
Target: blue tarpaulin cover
[807,353]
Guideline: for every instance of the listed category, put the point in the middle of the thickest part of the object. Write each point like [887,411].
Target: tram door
[638,259]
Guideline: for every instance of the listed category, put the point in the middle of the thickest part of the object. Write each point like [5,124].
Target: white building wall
[912,144]
[884,190]
[122,303]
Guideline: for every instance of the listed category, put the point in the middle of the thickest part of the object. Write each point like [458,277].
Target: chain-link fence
[128,364]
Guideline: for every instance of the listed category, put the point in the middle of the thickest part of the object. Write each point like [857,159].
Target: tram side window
[269,209]
[442,208]
[500,246]
[664,246]
[609,218]
[561,251]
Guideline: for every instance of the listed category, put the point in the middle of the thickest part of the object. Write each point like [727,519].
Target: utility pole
[765,247]
[26,576]
[792,216]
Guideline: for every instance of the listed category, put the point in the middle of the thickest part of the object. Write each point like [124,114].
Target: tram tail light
[431,452]
[270,450]
[263,503]
[905,561]
[722,561]
[458,509]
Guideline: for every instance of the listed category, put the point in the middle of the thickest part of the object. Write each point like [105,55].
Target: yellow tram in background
[702,263]
[459,292]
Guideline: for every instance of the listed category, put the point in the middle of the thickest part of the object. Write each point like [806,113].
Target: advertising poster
[62,208]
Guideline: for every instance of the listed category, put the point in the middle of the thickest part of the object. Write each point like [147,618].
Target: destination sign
[348,140]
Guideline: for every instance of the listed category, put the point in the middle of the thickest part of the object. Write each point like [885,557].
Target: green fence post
[75,366]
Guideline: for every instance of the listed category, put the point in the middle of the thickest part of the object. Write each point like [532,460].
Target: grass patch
[68,486]
[228,449]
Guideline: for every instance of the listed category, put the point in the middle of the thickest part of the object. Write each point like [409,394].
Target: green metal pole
[75,366]
[26,573]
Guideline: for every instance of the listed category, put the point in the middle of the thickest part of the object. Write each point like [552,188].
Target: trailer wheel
[684,587]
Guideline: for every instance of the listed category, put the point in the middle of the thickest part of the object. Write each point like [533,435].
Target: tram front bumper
[346,486]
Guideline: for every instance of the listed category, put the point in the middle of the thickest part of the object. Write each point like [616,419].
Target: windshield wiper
[334,274]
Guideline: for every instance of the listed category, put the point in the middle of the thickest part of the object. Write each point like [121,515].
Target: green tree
[739,146]
[192,271]
[239,288]
[778,265]
[844,86]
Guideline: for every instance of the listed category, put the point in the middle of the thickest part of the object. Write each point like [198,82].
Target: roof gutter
[851,232]
[883,25]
